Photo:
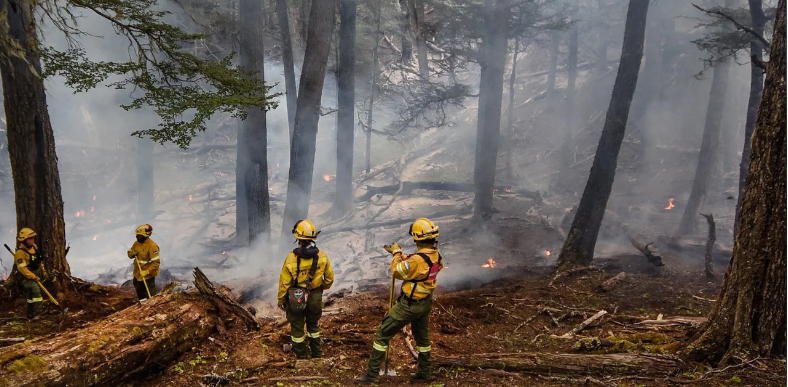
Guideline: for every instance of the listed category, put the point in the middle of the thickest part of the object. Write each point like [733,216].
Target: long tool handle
[391,305]
[54,301]
[8,248]
[143,278]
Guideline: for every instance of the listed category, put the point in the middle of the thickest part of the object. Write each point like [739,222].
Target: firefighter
[306,273]
[419,273]
[145,253]
[31,271]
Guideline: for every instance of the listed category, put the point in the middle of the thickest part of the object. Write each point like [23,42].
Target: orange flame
[508,189]
[547,253]
[329,177]
[80,214]
[190,197]
[224,252]
[95,237]
[670,204]
[490,263]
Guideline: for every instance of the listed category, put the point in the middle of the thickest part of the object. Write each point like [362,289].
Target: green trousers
[415,313]
[32,293]
[139,286]
[311,316]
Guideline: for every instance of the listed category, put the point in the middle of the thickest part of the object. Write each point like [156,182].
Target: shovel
[386,370]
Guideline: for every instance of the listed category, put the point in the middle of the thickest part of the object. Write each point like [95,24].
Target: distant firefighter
[30,271]
[145,253]
[305,274]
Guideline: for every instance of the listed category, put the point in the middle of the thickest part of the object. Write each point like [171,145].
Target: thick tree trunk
[407,46]
[567,364]
[749,319]
[305,7]
[372,90]
[756,88]
[287,62]
[343,200]
[493,61]
[416,13]
[567,145]
[145,181]
[241,208]
[555,40]
[579,245]
[31,144]
[254,131]
[603,41]
[709,149]
[302,149]
[508,172]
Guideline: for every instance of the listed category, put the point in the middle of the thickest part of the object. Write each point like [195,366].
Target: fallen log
[134,341]
[11,340]
[567,364]
[221,298]
[612,282]
[409,186]
[651,255]
[396,222]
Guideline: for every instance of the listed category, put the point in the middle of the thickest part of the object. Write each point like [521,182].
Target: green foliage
[178,367]
[30,363]
[184,90]
[734,379]
[198,360]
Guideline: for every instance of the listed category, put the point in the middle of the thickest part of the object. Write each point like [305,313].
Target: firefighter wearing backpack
[30,271]
[419,275]
[305,274]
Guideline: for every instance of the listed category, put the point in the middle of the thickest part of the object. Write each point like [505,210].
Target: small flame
[190,197]
[508,189]
[95,237]
[220,174]
[490,263]
[670,204]
[80,214]
[329,177]
[92,209]
[547,253]
[495,190]
[224,252]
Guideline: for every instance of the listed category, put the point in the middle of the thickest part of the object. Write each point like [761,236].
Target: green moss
[587,344]
[99,343]
[734,379]
[624,346]
[644,337]
[30,363]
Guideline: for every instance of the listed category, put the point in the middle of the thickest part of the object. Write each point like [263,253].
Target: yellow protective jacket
[324,275]
[26,259]
[147,254]
[419,281]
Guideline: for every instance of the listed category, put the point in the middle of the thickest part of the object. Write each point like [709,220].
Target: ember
[80,214]
[547,253]
[190,197]
[329,177]
[95,237]
[490,264]
[94,197]
[670,204]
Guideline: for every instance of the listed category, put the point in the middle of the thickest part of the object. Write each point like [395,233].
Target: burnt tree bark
[709,149]
[372,90]
[492,61]
[756,89]
[603,41]
[749,319]
[580,242]
[567,146]
[254,131]
[145,181]
[310,90]
[508,172]
[416,14]
[241,208]
[407,46]
[31,143]
[343,200]
[552,52]
[287,63]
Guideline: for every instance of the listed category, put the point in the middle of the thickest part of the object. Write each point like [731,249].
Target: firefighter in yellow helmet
[306,273]
[145,252]
[30,271]
[419,274]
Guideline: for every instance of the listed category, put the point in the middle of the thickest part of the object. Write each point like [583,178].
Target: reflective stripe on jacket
[147,254]
[413,267]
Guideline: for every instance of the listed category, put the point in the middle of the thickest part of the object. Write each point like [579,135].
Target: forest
[608,179]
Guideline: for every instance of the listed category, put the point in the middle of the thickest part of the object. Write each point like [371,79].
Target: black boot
[420,378]
[316,348]
[366,379]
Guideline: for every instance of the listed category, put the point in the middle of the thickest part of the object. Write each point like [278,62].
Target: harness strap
[426,259]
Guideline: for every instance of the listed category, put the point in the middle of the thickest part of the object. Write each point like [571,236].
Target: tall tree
[580,242]
[756,88]
[407,46]
[749,320]
[488,125]
[254,134]
[416,14]
[508,172]
[709,147]
[287,63]
[555,40]
[570,116]
[373,89]
[346,103]
[310,90]
[31,142]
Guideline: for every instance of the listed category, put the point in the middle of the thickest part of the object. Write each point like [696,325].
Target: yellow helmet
[305,230]
[24,234]
[145,230]
[423,229]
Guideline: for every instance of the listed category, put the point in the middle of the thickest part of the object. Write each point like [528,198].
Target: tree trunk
[407,46]
[287,62]
[302,149]
[145,181]
[603,41]
[567,146]
[709,147]
[493,61]
[241,208]
[508,172]
[749,319]
[372,90]
[254,131]
[756,88]
[416,12]
[31,144]
[567,364]
[306,5]
[553,65]
[346,103]
[579,245]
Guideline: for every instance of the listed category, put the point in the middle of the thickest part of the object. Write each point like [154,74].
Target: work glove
[131,253]
[393,248]
[143,273]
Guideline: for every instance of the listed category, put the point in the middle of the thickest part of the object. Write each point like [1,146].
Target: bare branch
[737,24]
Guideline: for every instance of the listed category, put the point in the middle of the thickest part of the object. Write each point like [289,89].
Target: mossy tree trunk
[749,318]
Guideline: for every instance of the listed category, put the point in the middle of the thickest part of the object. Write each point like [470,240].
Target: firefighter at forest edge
[145,252]
[306,273]
[31,271]
[419,273]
